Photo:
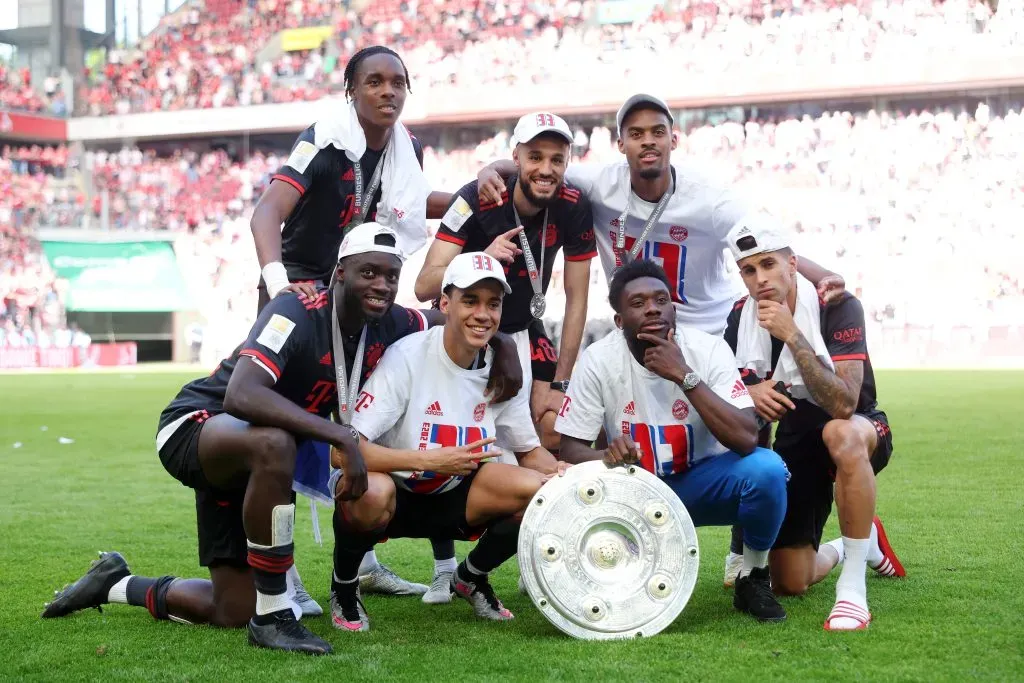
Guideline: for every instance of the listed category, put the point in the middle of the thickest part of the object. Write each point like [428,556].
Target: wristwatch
[690,381]
[561,385]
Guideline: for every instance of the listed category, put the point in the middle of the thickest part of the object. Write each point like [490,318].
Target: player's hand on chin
[664,357]
[621,451]
[777,319]
[456,460]
[489,186]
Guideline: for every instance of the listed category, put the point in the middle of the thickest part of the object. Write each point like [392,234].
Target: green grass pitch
[952,498]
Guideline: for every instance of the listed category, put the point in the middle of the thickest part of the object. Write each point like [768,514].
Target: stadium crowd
[31,196]
[210,59]
[933,192]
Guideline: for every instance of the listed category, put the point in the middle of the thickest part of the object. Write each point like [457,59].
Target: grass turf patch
[951,500]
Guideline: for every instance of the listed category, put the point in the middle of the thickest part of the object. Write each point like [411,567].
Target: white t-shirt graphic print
[688,241]
[418,399]
[610,389]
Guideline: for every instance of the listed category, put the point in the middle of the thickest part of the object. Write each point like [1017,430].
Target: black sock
[350,546]
[736,544]
[137,588]
[443,548]
[499,543]
[150,593]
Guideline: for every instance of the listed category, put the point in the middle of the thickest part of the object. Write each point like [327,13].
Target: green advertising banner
[119,277]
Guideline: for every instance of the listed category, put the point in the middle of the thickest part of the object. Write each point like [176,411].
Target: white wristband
[275,277]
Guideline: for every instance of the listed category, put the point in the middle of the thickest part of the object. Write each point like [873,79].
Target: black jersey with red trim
[291,340]
[326,180]
[842,328]
[473,227]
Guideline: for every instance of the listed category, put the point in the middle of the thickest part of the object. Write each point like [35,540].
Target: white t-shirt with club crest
[610,389]
[688,241]
[418,399]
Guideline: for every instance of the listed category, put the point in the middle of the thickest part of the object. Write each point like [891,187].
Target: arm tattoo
[836,392]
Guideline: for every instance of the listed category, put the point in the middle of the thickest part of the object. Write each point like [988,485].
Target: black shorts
[218,512]
[810,488]
[436,515]
[543,354]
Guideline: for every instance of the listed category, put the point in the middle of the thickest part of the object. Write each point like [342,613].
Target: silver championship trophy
[608,553]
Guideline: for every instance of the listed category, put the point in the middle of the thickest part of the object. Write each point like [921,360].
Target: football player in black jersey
[314,195]
[314,192]
[831,432]
[552,215]
[283,379]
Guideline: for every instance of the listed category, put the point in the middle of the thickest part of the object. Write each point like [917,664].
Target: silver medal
[538,305]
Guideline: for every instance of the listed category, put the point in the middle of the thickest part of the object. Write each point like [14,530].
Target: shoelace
[762,590]
[350,603]
[485,589]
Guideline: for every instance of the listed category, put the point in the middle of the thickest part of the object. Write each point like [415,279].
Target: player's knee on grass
[791,570]
[846,443]
[273,454]
[375,508]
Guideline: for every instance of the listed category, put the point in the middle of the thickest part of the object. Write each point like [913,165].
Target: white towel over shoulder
[404,188]
[754,344]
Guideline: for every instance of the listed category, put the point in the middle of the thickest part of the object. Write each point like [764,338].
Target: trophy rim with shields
[608,553]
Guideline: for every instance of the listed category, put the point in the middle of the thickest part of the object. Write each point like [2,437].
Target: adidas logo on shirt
[739,389]
[434,409]
[630,409]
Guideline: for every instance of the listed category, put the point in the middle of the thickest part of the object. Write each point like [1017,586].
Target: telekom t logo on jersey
[365,400]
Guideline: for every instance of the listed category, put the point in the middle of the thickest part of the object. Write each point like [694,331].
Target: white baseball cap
[362,239]
[757,233]
[532,125]
[637,100]
[467,269]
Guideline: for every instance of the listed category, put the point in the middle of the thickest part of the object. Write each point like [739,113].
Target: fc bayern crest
[680,410]
[678,233]
[478,412]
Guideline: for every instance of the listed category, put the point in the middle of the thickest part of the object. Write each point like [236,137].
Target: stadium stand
[211,59]
[894,197]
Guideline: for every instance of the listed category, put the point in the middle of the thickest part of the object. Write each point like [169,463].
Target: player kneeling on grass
[669,397]
[832,431]
[283,378]
[426,424]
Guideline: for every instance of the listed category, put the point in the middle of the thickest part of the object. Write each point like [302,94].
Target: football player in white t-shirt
[670,397]
[426,427]
[687,239]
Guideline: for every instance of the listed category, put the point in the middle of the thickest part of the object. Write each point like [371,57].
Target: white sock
[752,559]
[837,545]
[446,565]
[473,570]
[852,586]
[266,604]
[369,563]
[875,555]
[119,592]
